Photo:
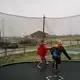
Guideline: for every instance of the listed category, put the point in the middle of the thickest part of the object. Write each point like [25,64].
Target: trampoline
[69,70]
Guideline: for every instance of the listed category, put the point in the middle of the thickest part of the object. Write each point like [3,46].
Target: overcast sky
[36,8]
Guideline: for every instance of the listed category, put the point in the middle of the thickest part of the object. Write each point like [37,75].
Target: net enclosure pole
[43,26]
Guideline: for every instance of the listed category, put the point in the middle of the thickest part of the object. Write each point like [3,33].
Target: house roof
[38,34]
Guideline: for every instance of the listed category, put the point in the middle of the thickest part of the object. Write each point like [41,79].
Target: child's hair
[59,42]
[42,41]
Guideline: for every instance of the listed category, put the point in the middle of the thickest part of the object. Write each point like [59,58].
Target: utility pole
[44,27]
[0,33]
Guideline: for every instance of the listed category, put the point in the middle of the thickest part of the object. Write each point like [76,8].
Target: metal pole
[43,27]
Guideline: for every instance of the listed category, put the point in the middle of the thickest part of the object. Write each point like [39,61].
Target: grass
[32,56]
[73,47]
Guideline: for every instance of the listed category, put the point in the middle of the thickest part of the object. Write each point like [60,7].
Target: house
[39,34]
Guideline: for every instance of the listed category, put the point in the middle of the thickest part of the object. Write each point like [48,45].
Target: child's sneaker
[38,66]
[47,63]
[56,70]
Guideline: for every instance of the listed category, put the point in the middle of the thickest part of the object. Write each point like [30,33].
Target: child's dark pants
[56,62]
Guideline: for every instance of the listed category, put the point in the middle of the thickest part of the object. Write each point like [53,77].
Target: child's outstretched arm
[46,47]
[66,54]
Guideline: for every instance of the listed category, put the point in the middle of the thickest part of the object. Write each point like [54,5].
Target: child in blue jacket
[56,52]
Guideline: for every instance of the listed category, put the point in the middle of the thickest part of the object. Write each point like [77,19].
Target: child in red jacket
[42,51]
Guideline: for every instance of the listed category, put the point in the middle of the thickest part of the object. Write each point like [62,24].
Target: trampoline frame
[18,62]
